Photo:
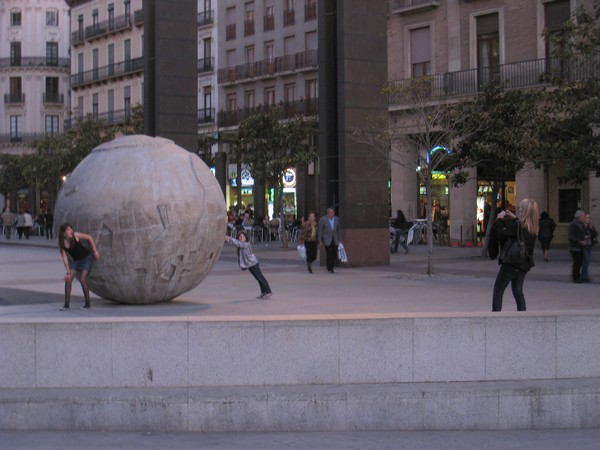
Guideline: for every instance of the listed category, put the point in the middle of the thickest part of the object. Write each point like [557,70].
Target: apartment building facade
[267,59]
[461,44]
[106,58]
[34,78]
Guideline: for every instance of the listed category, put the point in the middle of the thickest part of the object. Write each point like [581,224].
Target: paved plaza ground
[31,287]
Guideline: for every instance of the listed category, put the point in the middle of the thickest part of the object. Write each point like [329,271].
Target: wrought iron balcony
[206,18]
[115,117]
[107,72]
[32,61]
[206,64]
[310,11]
[77,38]
[53,97]
[138,17]
[515,75]
[284,110]
[289,17]
[109,26]
[269,68]
[405,7]
[14,98]
[22,138]
[268,22]
[206,115]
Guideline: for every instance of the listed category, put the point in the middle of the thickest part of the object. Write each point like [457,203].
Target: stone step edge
[566,403]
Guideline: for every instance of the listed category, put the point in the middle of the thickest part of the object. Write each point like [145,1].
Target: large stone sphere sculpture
[156,213]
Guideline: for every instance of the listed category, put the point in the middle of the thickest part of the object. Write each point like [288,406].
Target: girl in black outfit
[82,260]
[525,226]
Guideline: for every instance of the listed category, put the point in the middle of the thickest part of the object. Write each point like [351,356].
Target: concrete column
[531,183]
[463,210]
[404,191]
[352,72]
[170,71]
[221,170]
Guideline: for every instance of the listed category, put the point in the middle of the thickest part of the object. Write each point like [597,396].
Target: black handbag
[514,252]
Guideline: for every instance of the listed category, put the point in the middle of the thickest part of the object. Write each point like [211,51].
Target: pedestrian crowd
[512,242]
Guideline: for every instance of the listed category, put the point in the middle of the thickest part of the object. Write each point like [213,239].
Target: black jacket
[506,228]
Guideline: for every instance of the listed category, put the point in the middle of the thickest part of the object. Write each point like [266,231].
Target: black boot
[309,267]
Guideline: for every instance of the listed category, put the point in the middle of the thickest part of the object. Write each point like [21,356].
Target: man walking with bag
[329,236]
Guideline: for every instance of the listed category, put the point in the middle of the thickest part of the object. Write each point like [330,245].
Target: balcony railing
[206,64]
[285,110]
[205,18]
[32,61]
[310,11]
[206,115]
[269,68]
[138,17]
[269,22]
[14,98]
[23,138]
[230,32]
[53,97]
[248,27]
[515,75]
[77,38]
[289,17]
[108,26]
[107,72]
[413,6]
[110,118]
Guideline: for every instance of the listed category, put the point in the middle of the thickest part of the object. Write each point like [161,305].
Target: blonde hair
[528,215]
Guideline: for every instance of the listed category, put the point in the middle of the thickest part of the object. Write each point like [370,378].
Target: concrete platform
[362,349]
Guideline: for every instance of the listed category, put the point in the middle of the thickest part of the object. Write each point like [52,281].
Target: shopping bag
[301,251]
[342,253]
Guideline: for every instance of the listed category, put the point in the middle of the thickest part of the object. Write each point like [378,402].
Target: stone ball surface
[156,213]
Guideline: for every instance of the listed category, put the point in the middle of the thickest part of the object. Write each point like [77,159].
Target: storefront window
[439,197]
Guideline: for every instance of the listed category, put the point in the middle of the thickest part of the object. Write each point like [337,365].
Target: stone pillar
[221,170]
[531,183]
[170,71]
[463,210]
[405,191]
[352,72]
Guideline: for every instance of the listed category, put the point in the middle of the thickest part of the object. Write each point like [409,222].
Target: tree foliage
[569,114]
[57,155]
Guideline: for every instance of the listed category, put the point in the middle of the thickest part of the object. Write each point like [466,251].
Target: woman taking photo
[82,260]
[523,227]
[309,239]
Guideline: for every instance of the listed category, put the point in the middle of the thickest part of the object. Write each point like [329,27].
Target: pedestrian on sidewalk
[509,227]
[247,260]
[49,224]
[547,226]
[82,260]
[28,223]
[591,238]
[20,223]
[8,221]
[577,241]
[401,227]
[329,236]
[308,238]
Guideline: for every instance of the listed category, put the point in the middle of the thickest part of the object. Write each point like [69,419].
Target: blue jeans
[514,276]
[587,256]
[262,281]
